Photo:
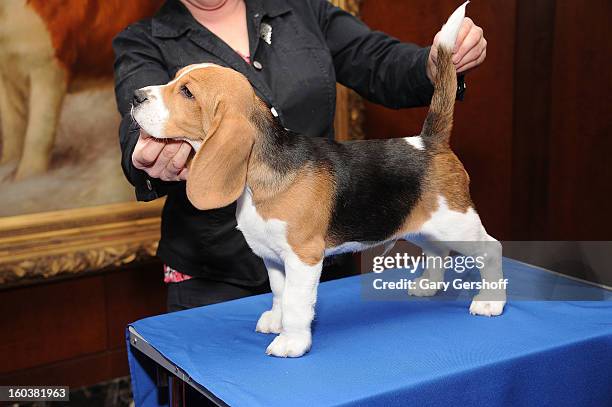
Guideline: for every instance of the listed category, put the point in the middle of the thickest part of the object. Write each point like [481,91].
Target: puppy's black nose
[140,96]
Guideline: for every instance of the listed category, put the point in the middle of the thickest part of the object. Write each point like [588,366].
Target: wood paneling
[535,39]
[482,136]
[76,372]
[561,173]
[131,296]
[580,170]
[46,323]
[71,331]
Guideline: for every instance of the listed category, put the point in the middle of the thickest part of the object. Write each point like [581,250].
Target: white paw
[270,322]
[290,345]
[486,308]
[421,288]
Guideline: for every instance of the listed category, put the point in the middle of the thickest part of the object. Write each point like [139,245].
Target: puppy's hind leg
[299,298]
[463,232]
[489,301]
[433,273]
[271,320]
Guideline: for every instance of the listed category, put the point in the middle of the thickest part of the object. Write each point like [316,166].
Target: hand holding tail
[439,122]
[469,51]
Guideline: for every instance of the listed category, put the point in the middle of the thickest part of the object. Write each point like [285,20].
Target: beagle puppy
[303,198]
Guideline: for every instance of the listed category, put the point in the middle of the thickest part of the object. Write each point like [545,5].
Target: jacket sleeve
[138,63]
[375,65]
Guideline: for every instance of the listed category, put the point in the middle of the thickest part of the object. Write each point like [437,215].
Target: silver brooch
[266,33]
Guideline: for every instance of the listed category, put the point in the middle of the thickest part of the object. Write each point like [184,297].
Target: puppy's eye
[185,91]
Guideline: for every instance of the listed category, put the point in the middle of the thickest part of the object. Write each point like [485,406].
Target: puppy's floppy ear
[218,171]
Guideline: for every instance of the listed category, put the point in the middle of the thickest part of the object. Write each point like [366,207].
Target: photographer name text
[425,284]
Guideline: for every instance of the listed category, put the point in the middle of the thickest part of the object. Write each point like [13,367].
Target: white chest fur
[266,237]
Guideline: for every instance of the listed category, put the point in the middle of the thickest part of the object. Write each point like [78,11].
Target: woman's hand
[470,49]
[163,159]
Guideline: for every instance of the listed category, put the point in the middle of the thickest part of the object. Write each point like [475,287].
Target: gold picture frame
[348,123]
[76,240]
[64,242]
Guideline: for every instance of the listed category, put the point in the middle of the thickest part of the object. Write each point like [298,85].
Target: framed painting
[65,206]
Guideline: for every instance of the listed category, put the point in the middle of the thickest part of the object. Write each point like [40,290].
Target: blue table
[420,352]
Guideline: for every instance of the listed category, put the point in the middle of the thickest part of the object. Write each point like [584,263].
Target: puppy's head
[210,107]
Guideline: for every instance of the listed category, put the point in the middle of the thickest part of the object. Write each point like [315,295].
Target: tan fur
[304,202]
[445,177]
[216,91]
[449,179]
[439,121]
[187,118]
[219,116]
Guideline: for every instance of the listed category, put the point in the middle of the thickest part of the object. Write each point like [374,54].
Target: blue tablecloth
[422,352]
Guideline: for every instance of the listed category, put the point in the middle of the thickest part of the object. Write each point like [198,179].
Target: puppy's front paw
[290,345]
[421,288]
[270,322]
[486,308]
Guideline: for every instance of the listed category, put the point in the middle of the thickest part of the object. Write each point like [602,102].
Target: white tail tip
[450,30]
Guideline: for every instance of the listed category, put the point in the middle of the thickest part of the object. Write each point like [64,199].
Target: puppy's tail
[439,121]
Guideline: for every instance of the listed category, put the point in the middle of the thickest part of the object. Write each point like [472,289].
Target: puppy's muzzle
[140,96]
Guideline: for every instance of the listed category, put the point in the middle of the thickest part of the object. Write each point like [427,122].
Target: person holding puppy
[293,52]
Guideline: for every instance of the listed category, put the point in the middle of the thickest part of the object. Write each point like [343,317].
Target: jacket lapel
[174,20]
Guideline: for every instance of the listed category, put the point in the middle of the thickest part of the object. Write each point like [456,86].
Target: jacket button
[257,65]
